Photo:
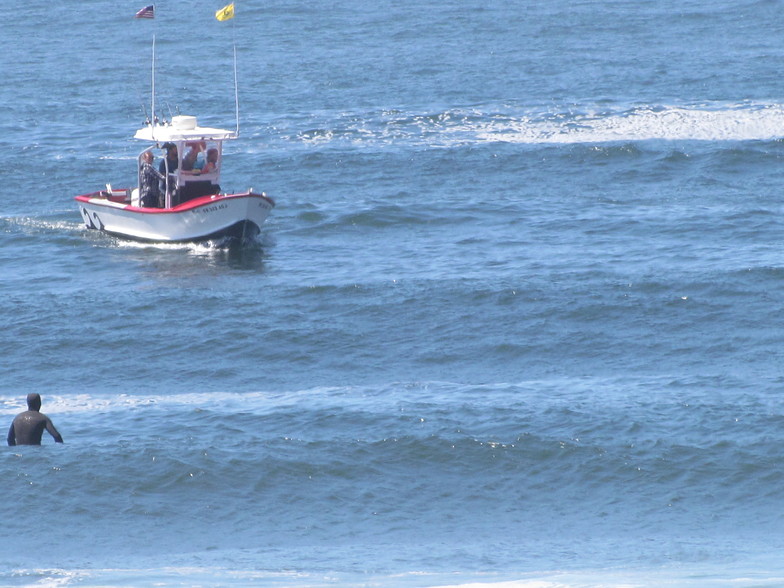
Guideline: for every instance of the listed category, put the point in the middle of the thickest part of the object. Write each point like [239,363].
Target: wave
[703,576]
[352,466]
[168,575]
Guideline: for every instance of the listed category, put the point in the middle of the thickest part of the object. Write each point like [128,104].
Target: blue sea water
[516,319]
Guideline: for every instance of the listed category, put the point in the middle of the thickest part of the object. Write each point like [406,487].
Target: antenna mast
[152,99]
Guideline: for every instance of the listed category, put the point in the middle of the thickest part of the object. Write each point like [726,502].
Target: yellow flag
[226,12]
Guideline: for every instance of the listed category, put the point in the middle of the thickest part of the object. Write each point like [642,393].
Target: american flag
[146,12]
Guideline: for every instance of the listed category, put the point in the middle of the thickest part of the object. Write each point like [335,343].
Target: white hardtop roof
[182,128]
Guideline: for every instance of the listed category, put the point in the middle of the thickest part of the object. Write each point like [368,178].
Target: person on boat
[212,161]
[149,183]
[28,427]
[191,160]
[168,166]
[170,163]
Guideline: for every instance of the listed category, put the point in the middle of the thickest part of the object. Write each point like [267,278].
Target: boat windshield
[185,170]
[200,158]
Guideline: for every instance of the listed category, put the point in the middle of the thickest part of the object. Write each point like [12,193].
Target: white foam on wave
[642,582]
[514,584]
[611,578]
[196,574]
[163,576]
[717,123]
[229,402]
[589,391]
[599,389]
[83,403]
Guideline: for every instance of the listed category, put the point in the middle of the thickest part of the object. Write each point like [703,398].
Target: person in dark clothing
[28,427]
[167,168]
[149,183]
[170,163]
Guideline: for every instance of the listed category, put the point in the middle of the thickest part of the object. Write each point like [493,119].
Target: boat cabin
[186,155]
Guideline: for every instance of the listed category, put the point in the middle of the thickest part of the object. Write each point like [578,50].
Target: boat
[191,206]
[178,197]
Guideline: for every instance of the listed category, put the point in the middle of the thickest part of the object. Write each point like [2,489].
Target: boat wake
[575,124]
[33,225]
[643,124]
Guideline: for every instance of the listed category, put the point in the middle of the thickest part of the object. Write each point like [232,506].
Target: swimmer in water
[28,426]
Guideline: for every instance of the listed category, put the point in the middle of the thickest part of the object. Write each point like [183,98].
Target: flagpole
[149,12]
[236,91]
[226,13]
[236,78]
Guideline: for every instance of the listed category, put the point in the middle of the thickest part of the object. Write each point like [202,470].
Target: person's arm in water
[52,431]
[11,436]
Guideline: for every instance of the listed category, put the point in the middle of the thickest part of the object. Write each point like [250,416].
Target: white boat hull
[208,217]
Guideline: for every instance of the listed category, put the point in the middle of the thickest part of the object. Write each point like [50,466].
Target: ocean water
[516,319]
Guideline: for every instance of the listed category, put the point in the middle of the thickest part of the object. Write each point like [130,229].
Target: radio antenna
[152,98]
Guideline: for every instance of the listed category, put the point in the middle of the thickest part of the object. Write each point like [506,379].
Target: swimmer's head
[34,401]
